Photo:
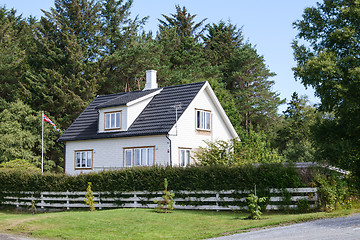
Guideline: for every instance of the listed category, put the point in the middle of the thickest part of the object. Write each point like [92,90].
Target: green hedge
[152,179]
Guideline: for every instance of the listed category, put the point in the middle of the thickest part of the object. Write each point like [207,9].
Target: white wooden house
[162,126]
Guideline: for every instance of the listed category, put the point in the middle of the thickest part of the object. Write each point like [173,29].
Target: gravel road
[4,236]
[344,228]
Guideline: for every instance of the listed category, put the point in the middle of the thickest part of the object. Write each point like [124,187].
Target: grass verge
[144,223]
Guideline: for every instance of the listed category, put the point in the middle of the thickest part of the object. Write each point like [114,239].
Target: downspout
[167,136]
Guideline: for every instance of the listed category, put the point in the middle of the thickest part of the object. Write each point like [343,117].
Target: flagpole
[42,141]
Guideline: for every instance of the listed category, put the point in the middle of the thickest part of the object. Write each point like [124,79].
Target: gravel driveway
[344,228]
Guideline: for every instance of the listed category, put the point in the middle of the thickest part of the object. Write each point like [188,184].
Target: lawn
[143,223]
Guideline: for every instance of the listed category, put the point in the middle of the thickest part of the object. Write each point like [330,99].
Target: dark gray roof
[125,98]
[157,118]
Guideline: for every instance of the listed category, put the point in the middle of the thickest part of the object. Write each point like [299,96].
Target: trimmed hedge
[152,179]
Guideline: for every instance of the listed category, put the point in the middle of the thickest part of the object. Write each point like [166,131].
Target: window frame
[110,114]
[81,153]
[185,150]
[203,116]
[139,151]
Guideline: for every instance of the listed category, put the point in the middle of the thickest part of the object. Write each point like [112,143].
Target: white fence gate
[204,200]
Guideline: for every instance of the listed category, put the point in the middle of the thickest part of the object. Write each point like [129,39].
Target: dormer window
[203,120]
[112,120]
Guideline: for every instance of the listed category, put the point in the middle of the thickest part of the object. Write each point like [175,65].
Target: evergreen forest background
[83,48]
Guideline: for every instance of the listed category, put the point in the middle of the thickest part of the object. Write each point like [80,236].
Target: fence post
[67,200]
[17,202]
[217,199]
[42,200]
[135,202]
[99,200]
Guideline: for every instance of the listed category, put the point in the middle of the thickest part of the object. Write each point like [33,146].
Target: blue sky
[265,24]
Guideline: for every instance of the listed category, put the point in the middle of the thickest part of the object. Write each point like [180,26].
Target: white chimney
[150,80]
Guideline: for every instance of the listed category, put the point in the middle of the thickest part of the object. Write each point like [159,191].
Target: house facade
[156,126]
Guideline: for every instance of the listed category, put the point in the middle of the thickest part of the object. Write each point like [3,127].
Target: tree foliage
[294,139]
[253,148]
[244,74]
[82,48]
[20,130]
[329,62]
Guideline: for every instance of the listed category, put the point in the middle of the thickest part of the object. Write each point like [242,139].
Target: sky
[266,24]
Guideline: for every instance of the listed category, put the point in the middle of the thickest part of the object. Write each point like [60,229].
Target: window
[184,157]
[83,159]
[112,120]
[141,156]
[203,120]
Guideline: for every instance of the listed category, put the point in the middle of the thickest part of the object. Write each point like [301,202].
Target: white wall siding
[188,136]
[108,153]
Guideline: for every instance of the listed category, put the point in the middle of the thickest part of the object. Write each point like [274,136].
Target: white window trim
[203,120]
[111,115]
[186,153]
[81,153]
[149,151]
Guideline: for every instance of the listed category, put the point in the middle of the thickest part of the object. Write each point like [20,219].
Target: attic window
[203,120]
[113,120]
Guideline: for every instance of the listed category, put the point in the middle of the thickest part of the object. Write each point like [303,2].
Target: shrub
[334,190]
[20,164]
[253,148]
[89,198]
[151,179]
[254,208]
[303,205]
[167,203]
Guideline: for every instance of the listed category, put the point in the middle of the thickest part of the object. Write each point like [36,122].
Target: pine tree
[12,52]
[182,56]
[294,138]
[245,74]
[64,74]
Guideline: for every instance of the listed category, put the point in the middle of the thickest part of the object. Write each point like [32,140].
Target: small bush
[89,198]
[303,205]
[334,191]
[167,203]
[253,203]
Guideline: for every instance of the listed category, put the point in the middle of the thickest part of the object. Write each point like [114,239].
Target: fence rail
[205,200]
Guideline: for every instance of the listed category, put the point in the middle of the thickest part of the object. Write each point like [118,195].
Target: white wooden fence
[205,200]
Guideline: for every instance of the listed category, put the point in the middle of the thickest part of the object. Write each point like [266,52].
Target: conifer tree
[182,56]
[12,52]
[64,74]
[244,73]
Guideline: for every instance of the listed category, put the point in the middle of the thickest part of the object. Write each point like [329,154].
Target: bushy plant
[167,203]
[254,208]
[253,148]
[20,164]
[89,198]
[215,177]
[333,191]
[303,205]
[216,153]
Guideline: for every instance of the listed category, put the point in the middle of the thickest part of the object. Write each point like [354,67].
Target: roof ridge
[124,93]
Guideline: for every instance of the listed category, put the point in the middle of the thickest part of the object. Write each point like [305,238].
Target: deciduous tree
[329,62]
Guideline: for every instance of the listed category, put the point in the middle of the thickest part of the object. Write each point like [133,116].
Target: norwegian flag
[46,119]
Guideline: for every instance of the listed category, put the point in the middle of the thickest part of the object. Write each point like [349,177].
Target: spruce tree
[244,73]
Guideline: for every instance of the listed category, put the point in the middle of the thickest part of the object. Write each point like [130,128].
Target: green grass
[143,223]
